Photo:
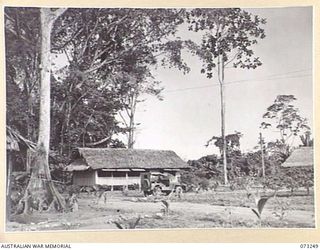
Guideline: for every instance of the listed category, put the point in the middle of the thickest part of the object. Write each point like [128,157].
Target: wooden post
[95,177]
[223,110]
[111,181]
[139,183]
[127,180]
[262,155]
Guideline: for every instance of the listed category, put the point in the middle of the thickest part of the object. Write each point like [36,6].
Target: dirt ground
[193,210]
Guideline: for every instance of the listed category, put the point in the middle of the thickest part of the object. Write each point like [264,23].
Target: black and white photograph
[159,118]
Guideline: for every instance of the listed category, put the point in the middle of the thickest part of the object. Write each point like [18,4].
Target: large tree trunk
[44,120]
[29,131]
[41,193]
[9,184]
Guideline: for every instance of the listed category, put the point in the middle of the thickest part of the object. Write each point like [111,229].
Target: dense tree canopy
[103,65]
[22,33]
[230,34]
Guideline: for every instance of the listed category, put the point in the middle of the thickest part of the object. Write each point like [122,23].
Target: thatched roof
[15,140]
[300,157]
[119,158]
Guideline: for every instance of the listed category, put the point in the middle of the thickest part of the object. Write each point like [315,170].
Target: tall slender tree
[228,37]
[286,119]
[136,84]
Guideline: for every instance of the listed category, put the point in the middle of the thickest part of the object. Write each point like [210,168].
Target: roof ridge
[133,149]
[98,158]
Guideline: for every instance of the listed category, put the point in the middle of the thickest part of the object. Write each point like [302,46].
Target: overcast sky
[189,115]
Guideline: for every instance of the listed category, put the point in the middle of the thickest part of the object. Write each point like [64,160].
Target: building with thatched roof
[121,167]
[300,157]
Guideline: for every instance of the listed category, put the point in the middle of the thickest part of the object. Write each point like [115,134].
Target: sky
[189,115]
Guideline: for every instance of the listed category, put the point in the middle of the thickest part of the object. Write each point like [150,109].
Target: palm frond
[134,225]
[118,225]
[256,213]
[261,204]
[165,203]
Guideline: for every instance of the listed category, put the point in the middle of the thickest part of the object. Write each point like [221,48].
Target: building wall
[84,178]
[89,178]
[118,181]
[114,180]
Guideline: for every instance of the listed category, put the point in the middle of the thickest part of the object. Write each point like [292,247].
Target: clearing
[206,209]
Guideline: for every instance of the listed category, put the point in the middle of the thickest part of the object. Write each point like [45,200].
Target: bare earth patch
[201,210]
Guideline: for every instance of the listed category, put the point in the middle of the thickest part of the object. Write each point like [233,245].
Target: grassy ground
[194,210]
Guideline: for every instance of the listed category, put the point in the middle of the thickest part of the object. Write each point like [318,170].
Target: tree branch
[58,13]
[66,53]
[98,142]
[232,59]
[79,99]
[89,36]
[101,65]
[20,36]
[67,42]
[124,120]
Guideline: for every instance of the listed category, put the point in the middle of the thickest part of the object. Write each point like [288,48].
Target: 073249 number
[307,246]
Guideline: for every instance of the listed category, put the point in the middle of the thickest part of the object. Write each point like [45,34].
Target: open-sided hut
[121,167]
[17,144]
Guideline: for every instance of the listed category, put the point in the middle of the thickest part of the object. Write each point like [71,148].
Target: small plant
[280,210]
[229,214]
[176,193]
[102,194]
[72,203]
[125,191]
[260,203]
[164,211]
[127,223]
[165,207]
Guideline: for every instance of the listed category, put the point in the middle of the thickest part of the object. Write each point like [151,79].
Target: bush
[291,178]
[73,189]
[204,184]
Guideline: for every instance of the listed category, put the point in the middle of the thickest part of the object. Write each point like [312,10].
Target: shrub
[204,184]
[291,178]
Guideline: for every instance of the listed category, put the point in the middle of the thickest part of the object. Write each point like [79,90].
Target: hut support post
[127,180]
[111,181]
